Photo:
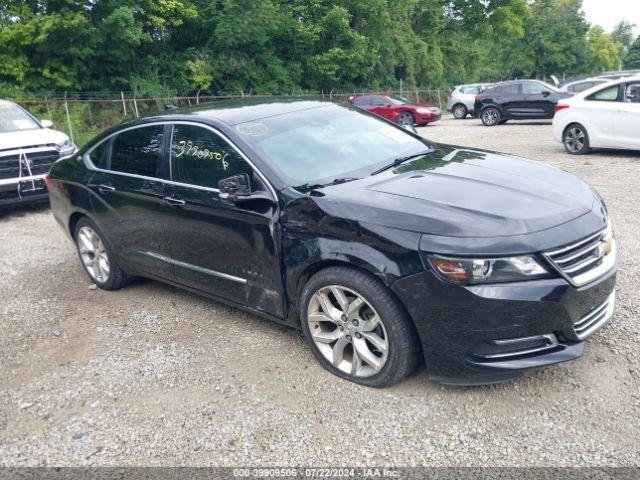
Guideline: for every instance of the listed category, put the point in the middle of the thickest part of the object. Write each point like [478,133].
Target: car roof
[233,112]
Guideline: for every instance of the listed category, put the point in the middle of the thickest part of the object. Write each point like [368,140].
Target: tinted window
[98,155]
[200,157]
[378,101]
[609,94]
[532,88]
[632,93]
[137,151]
[362,101]
[471,90]
[510,89]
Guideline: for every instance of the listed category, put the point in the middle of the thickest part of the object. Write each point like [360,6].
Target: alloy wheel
[574,139]
[459,112]
[348,331]
[93,254]
[405,118]
[490,116]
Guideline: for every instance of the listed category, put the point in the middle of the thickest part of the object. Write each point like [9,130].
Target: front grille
[585,260]
[27,161]
[587,325]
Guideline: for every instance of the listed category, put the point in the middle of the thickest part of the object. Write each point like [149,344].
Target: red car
[397,109]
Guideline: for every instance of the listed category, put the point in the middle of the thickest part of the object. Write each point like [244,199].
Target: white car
[461,100]
[606,116]
[28,148]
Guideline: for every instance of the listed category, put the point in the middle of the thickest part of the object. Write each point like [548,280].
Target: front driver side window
[200,157]
[632,93]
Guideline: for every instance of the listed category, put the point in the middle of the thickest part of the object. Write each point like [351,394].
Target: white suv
[28,148]
[462,98]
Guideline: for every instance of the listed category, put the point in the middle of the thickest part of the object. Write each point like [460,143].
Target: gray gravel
[152,375]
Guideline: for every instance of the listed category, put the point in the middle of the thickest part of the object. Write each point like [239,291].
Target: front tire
[356,329]
[460,111]
[406,118]
[97,258]
[576,139]
[491,117]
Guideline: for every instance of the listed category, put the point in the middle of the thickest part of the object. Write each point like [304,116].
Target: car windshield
[399,100]
[321,145]
[13,118]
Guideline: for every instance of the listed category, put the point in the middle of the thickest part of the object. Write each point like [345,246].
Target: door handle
[106,188]
[173,201]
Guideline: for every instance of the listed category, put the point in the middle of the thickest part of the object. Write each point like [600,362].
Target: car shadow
[21,210]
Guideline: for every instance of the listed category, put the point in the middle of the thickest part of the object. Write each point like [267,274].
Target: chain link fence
[83,115]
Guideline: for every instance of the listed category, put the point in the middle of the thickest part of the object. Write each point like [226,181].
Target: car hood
[29,138]
[459,192]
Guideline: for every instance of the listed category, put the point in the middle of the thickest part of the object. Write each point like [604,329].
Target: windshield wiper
[400,160]
[308,187]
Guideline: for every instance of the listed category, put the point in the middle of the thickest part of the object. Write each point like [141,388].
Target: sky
[608,13]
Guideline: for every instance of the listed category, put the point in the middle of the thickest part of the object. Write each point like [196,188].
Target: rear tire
[356,329]
[576,139]
[97,258]
[460,111]
[491,116]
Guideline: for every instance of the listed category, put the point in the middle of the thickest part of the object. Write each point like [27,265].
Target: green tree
[632,60]
[603,51]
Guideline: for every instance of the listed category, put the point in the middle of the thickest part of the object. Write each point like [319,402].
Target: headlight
[471,271]
[425,110]
[65,148]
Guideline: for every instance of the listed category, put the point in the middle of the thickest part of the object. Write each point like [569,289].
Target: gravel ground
[152,375]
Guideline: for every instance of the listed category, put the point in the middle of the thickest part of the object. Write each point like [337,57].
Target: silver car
[462,98]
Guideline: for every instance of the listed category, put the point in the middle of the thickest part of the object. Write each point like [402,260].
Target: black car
[383,247]
[517,100]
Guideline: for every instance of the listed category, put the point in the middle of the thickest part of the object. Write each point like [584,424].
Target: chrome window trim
[196,268]
[89,164]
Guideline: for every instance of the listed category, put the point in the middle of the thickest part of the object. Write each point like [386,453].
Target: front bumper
[426,118]
[463,329]
[23,190]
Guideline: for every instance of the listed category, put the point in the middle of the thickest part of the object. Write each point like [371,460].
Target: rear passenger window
[137,151]
[98,155]
[607,95]
[362,101]
[200,157]
[509,89]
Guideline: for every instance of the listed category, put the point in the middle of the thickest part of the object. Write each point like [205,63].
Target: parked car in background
[517,100]
[28,148]
[397,109]
[606,116]
[578,86]
[382,246]
[461,100]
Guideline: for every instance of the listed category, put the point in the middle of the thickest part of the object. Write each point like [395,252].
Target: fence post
[124,104]
[439,100]
[135,106]
[66,109]
[46,100]
[417,96]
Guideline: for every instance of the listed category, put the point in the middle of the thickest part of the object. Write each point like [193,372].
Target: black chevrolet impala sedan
[387,250]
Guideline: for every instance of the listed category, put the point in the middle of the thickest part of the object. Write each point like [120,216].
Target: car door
[537,101]
[511,100]
[225,249]
[128,197]
[383,107]
[628,116]
[600,113]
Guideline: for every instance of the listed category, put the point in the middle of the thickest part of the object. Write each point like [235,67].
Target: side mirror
[46,123]
[546,93]
[237,189]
